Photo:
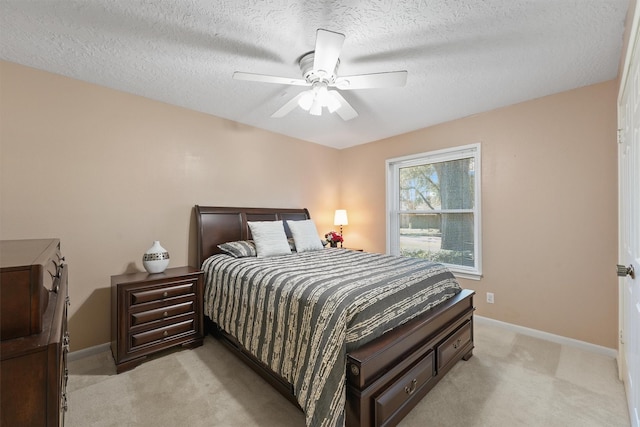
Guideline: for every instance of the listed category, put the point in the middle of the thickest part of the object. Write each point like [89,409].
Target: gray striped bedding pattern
[301,313]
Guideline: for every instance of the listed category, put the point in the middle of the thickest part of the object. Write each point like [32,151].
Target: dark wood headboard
[216,225]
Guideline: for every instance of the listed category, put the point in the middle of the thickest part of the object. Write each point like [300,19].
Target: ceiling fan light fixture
[320,71]
[316,107]
[306,100]
[321,92]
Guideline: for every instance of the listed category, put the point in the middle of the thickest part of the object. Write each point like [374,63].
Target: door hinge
[626,271]
[620,136]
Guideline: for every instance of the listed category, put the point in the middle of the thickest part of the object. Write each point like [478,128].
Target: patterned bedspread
[300,314]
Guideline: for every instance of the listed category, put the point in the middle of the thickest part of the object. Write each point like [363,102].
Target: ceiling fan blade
[370,81]
[238,75]
[289,106]
[346,111]
[327,51]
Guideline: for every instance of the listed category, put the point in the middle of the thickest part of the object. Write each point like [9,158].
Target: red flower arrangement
[333,238]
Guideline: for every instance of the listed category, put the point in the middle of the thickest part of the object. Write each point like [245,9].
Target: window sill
[466,274]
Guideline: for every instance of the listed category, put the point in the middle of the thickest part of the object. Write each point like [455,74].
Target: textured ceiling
[463,57]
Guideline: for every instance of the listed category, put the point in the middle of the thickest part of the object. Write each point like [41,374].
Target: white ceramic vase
[156,259]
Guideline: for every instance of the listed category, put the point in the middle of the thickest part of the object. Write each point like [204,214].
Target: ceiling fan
[320,71]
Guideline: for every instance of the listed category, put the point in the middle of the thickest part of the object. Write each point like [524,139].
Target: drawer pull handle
[165,294]
[355,371]
[457,344]
[65,342]
[411,387]
[165,314]
[165,333]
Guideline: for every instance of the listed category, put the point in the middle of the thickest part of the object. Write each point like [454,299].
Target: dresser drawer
[155,293]
[165,333]
[396,395]
[455,344]
[162,313]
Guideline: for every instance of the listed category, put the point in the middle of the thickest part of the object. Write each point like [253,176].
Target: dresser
[153,312]
[33,332]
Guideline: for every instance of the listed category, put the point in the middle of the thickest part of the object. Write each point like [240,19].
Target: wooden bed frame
[386,377]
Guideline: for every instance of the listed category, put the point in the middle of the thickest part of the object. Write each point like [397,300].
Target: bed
[373,377]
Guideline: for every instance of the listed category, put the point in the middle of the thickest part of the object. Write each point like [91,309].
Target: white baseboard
[558,339]
[86,352]
[605,351]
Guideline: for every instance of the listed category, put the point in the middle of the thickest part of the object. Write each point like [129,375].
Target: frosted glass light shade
[340,217]
[316,107]
[306,100]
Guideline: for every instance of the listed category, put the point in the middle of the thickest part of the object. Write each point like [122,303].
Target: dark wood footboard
[387,377]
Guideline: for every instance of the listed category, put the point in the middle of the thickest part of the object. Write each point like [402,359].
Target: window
[433,208]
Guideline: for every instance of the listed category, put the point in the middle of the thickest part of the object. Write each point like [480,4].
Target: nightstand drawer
[164,333]
[143,295]
[163,313]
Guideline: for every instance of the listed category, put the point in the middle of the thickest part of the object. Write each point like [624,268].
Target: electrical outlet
[490,297]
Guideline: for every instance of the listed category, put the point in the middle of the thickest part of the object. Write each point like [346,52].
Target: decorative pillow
[269,238]
[239,249]
[305,235]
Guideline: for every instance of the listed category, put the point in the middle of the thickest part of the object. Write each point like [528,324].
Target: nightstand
[153,312]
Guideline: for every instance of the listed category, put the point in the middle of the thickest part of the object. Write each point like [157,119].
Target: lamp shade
[340,217]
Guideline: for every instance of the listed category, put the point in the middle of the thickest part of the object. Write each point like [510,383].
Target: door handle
[626,271]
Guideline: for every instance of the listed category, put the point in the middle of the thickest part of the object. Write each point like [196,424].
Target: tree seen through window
[436,210]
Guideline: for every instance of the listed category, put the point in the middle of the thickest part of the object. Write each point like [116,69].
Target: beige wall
[549,203]
[108,173]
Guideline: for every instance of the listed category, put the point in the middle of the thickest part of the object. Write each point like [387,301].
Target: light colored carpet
[512,380]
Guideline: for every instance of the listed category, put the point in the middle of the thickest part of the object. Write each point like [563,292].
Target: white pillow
[305,235]
[269,238]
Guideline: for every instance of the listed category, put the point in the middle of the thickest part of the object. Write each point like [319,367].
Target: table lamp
[340,218]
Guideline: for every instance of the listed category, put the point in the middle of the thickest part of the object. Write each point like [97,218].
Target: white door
[629,235]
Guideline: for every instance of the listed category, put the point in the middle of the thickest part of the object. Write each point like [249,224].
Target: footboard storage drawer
[450,350]
[388,376]
[152,312]
[400,392]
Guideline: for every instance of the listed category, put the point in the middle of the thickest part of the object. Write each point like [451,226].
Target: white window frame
[393,167]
